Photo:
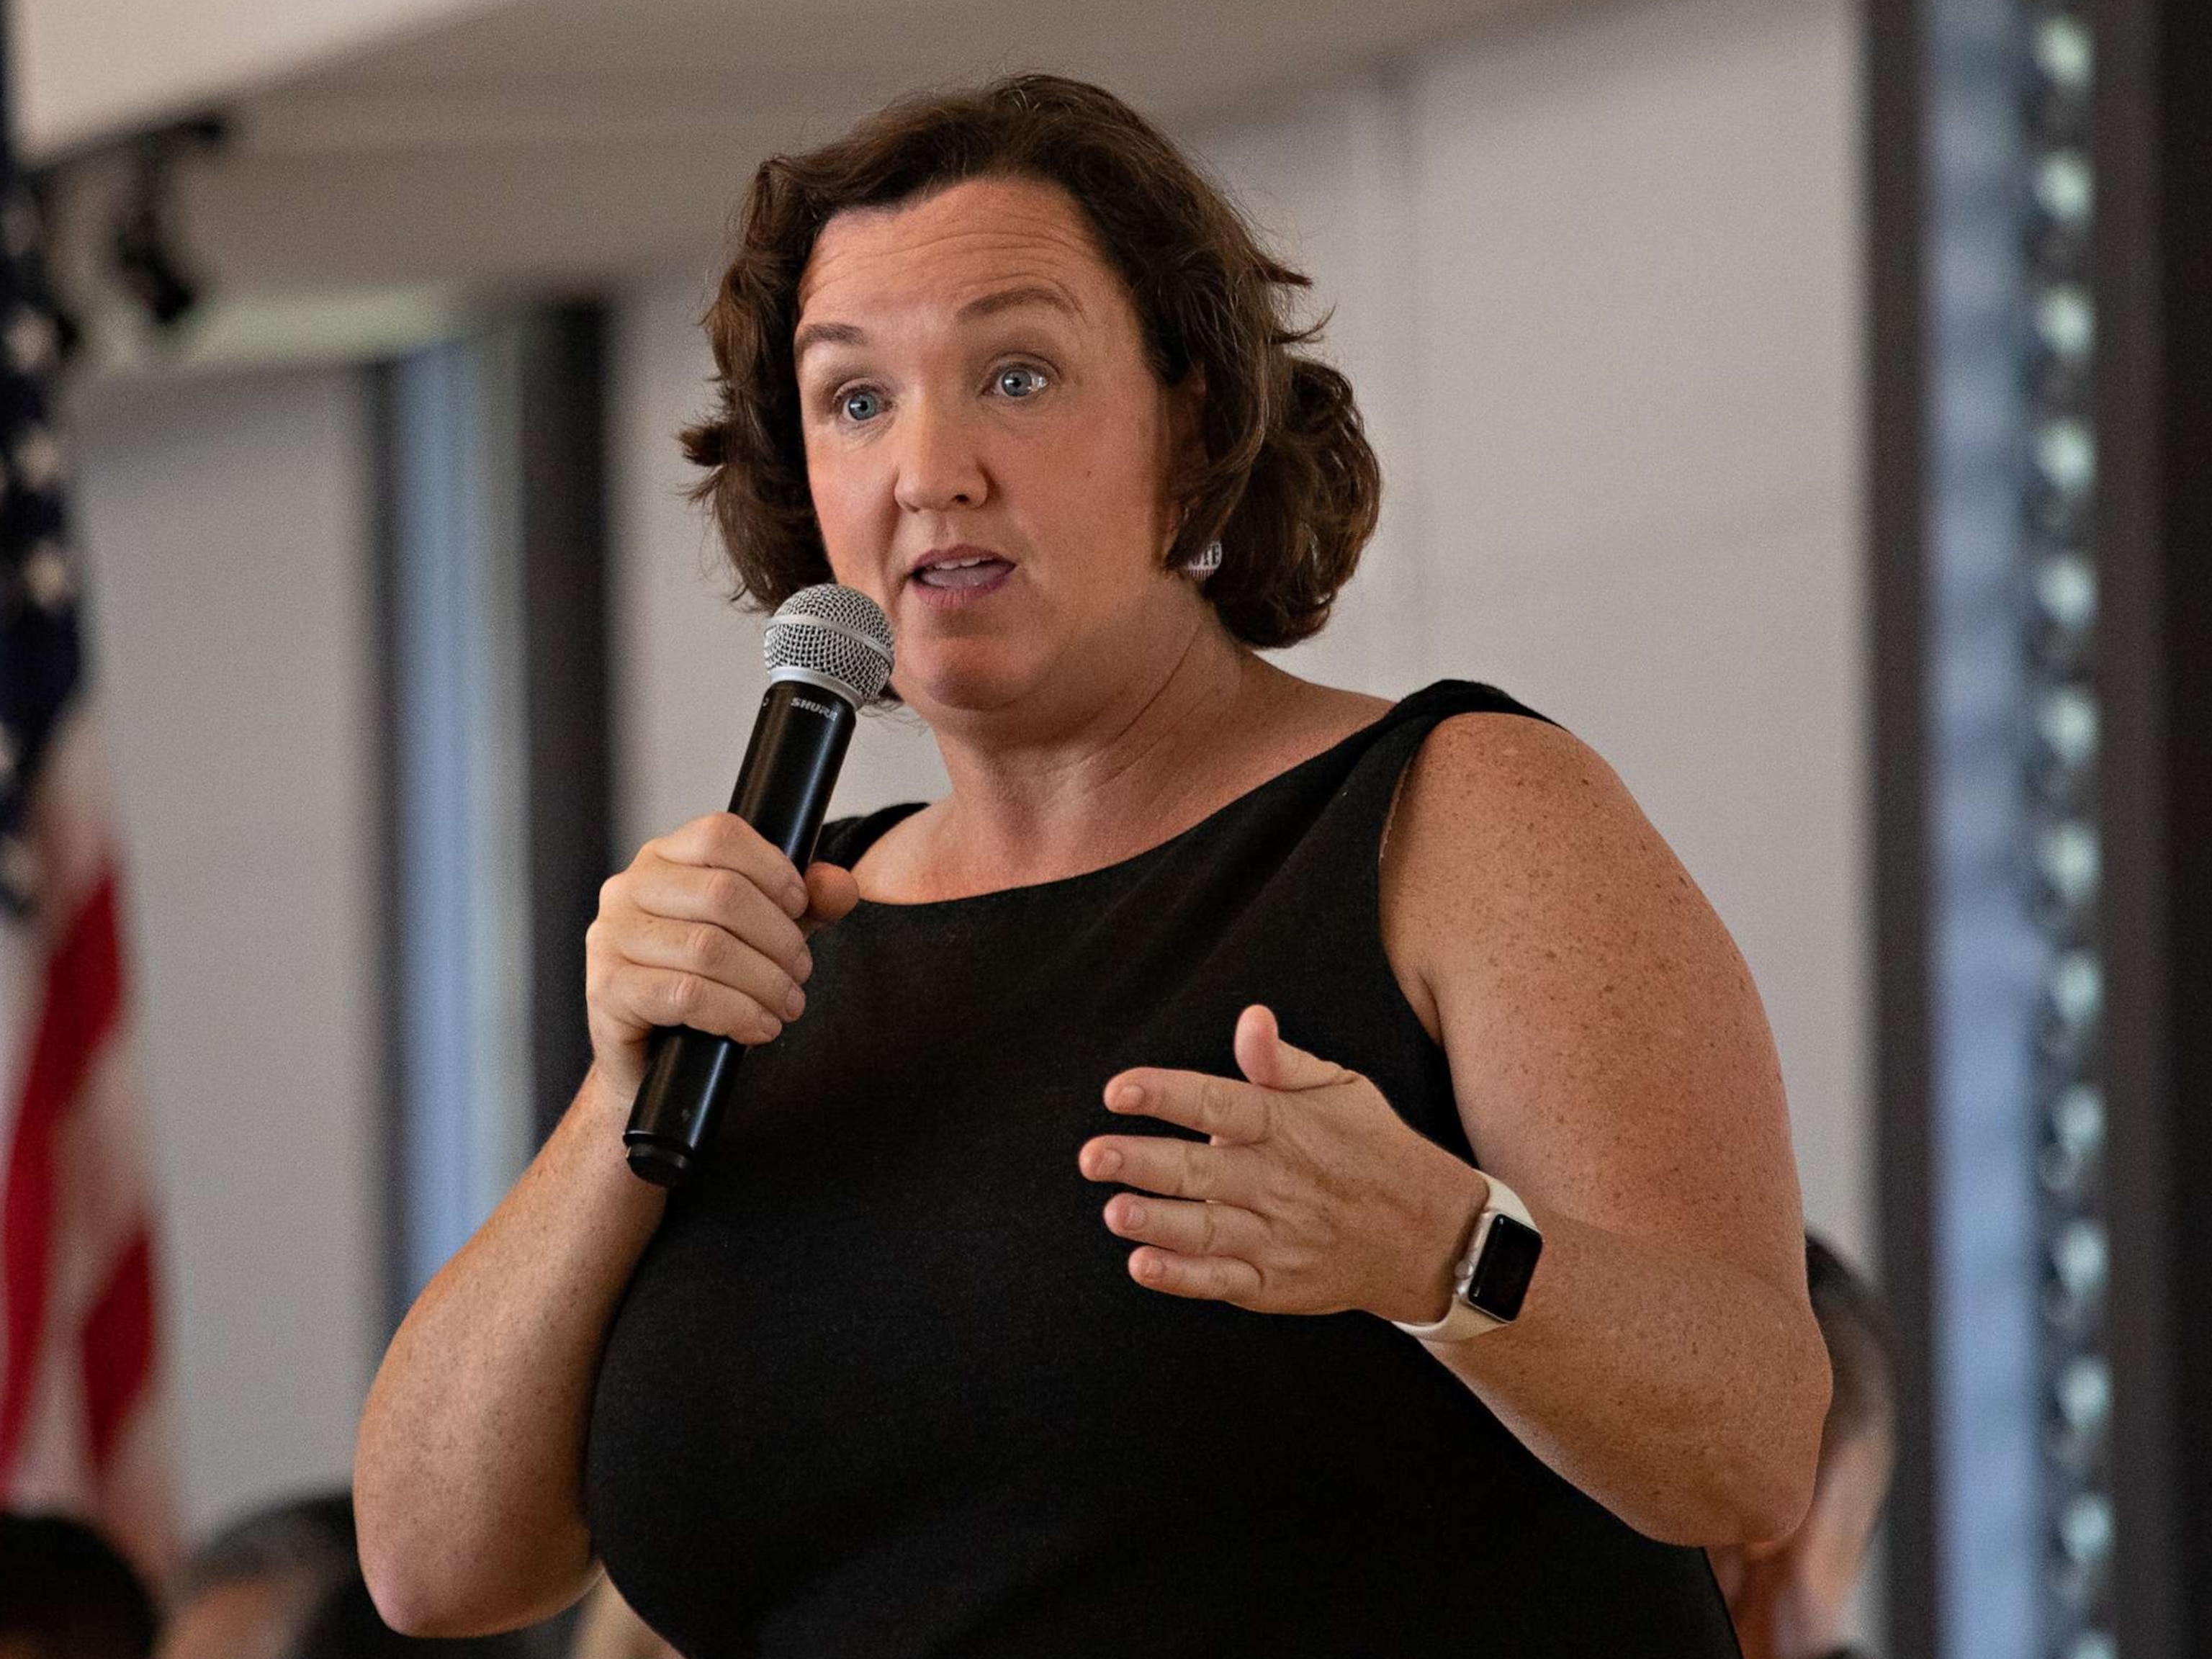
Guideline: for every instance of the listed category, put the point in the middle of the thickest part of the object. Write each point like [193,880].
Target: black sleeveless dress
[882,1385]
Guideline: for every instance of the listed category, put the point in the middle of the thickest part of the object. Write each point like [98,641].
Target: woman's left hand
[1311,1196]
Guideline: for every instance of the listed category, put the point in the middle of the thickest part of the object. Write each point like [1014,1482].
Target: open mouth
[958,573]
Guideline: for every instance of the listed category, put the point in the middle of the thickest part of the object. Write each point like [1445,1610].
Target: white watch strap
[1461,1320]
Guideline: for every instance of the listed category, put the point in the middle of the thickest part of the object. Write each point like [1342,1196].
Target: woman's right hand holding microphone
[707,928]
[467,1476]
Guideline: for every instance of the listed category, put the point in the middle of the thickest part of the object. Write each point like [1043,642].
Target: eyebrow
[989,305]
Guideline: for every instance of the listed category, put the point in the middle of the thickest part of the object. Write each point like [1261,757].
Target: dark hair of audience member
[309,1538]
[67,1593]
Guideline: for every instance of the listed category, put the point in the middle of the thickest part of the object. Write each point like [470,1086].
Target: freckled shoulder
[1491,807]
[1606,1043]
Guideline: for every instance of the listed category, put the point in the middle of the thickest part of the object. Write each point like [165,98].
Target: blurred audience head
[67,1593]
[1789,1595]
[285,1582]
[248,1590]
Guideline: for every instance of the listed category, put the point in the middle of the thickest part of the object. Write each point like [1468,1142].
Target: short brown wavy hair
[1289,486]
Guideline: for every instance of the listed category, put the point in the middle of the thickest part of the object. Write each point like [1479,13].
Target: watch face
[1509,1263]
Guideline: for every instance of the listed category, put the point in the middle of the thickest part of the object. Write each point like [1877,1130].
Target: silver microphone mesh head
[835,632]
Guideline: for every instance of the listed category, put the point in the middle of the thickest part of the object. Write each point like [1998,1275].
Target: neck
[1059,792]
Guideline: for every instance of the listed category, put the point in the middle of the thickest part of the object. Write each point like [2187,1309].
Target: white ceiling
[803,54]
[575,142]
[79,70]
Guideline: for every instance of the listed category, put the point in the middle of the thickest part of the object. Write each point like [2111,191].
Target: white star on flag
[46,574]
[39,460]
[30,342]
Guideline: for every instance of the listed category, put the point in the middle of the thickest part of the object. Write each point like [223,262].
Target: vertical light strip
[2064,846]
[2023,1380]
[461,865]
[1988,964]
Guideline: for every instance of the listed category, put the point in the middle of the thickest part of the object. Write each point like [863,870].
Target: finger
[1162,1164]
[1271,1063]
[662,997]
[685,892]
[703,949]
[723,841]
[1231,1111]
[1188,1229]
[1205,1278]
[831,893]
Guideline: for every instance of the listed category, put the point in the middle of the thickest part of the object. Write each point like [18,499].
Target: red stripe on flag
[84,985]
[118,1351]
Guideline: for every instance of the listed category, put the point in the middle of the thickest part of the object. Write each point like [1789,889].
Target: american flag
[83,1426]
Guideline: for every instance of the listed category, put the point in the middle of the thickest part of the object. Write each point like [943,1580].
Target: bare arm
[468,1476]
[1611,1065]
[468,1472]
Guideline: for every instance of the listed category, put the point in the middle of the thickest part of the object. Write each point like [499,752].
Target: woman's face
[973,384]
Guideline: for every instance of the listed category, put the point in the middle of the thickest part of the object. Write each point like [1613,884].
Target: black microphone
[829,652]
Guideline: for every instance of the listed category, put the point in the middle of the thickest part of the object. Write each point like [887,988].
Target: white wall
[1594,276]
[1597,277]
[224,526]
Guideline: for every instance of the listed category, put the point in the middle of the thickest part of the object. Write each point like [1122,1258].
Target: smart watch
[1490,1280]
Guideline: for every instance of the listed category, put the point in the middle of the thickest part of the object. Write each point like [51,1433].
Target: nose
[939,468]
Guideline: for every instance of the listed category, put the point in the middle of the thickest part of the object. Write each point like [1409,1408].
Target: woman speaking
[1256,1169]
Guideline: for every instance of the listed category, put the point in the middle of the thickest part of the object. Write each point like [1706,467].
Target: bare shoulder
[1307,716]
[1504,769]
[1503,822]
[895,866]
[1602,1027]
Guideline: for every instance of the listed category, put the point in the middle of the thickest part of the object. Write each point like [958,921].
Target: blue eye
[1020,381]
[860,405]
